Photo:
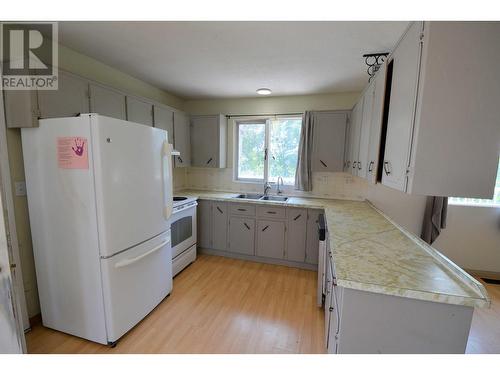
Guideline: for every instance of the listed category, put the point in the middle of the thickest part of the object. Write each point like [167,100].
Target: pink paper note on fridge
[72,153]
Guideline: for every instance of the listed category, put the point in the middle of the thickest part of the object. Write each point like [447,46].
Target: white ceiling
[233,59]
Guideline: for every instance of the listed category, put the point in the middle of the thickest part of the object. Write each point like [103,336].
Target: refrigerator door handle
[127,262]
[167,180]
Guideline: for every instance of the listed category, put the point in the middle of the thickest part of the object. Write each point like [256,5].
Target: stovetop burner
[176,199]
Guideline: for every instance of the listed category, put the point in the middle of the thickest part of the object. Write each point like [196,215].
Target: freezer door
[133,182]
[134,283]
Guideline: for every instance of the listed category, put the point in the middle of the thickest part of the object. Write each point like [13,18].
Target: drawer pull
[218,209]
[271,212]
[209,160]
[359,165]
[296,217]
[242,209]
[353,165]
[370,167]
[324,164]
[180,159]
[263,229]
[246,225]
[387,168]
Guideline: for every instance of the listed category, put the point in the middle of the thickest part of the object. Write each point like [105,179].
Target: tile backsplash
[325,185]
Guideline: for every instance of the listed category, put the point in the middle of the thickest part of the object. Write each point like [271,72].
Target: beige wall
[472,237]
[89,68]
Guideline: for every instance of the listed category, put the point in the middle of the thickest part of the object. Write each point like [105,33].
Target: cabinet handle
[263,229]
[353,165]
[387,165]
[180,159]
[246,225]
[209,160]
[370,167]
[242,209]
[218,209]
[359,165]
[296,217]
[330,309]
[271,212]
[322,162]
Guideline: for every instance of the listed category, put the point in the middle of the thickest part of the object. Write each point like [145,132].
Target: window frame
[267,138]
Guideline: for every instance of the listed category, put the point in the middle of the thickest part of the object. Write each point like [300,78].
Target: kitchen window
[267,149]
[494,202]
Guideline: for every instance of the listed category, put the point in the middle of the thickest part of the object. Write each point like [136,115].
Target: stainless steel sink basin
[250,196]
[274,198]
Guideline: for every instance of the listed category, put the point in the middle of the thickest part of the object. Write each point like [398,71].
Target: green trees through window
[280,137]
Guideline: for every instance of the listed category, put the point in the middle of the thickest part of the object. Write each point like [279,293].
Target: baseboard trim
[253,258]
[486,274]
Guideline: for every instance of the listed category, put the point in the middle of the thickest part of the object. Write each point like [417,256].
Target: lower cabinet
[296,234]
[219,225]
[288,235]
[271,239]
[242,235]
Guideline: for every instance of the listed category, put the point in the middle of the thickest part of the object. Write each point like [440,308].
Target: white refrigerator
[99,198]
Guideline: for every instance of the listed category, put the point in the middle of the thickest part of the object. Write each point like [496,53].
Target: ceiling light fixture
[264,91]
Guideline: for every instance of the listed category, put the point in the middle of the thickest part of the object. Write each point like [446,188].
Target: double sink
[262,197]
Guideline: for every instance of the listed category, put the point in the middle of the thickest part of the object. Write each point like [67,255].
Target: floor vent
[490,281]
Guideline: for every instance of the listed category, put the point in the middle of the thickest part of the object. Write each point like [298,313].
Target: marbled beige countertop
[372,253]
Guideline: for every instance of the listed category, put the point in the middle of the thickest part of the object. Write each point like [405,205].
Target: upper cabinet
[107,102]
[164,119]
[354,134]
[21,108]
[182,142]
[139,111]
[70,99]
[329,141]
[443,127]
[208,141]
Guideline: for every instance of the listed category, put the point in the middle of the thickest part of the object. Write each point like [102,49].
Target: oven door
[183,229]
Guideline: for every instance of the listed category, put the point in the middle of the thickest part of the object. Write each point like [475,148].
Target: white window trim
[258,120]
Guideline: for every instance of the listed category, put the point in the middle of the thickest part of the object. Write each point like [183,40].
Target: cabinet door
[182,141]
[364,139]
[242,235]
[329,141]
[107,102]
[219,225]
[70,99]
[376,124]
[354,135]
[271,239]
[296,234]
[205,141]
[139,111]
[328,301]
[164,119]
[312,237]
[204,225]
[405,62]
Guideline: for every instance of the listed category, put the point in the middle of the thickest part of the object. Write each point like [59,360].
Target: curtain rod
[267,114]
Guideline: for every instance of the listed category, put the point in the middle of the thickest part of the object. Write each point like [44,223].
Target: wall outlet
[20,188]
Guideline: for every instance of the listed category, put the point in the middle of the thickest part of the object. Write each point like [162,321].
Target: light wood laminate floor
[218,305]
[222,305]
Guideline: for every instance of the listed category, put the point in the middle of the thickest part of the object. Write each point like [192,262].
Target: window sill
[464,204]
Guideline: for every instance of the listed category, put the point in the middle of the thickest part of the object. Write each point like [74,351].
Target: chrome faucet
[267,187]
[278,190]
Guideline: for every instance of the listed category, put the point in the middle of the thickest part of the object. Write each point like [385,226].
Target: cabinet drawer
[242,209]
[271,212]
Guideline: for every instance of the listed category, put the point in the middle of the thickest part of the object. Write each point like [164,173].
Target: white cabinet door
[329,141]
[376,124]
[219,225]
[204,225]
[312,240]
[70,99]
[139,111]
[164,119]
[405,63]
[182,141]
[354,135]
[107,102]
[364,140]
